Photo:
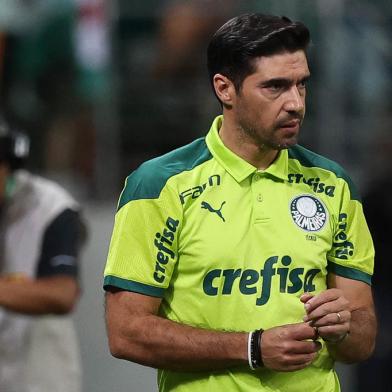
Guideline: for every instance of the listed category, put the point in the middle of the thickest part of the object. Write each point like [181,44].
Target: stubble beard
[264,143]
[265,139]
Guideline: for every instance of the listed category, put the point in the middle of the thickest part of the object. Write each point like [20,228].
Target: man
[242,262]
[40,233]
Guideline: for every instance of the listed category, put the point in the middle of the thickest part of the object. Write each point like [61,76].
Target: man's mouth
[293,124]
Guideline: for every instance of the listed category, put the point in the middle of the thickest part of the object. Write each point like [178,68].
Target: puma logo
[208,207]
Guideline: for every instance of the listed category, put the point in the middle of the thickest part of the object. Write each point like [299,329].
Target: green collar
[235,165]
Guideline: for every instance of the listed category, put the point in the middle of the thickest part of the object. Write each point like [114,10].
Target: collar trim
[237,167]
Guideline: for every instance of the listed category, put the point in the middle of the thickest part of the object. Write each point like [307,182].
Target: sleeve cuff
[349,273]
[130,285]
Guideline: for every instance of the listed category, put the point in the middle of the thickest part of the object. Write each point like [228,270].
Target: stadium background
[102,86]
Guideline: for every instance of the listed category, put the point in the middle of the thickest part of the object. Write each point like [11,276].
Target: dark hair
[14,146]
[242,39]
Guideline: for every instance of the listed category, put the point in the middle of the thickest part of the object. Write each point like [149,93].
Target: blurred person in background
[41,233]
[242,261]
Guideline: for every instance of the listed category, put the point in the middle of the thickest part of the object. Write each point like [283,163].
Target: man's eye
[302,84]
[275,87]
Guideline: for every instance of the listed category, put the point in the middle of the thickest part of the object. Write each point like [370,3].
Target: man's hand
[329,312]
[289,347]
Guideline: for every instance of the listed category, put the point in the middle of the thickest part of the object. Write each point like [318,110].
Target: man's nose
[295,101]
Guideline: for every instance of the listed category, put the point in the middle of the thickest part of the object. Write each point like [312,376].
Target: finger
[306,347]
[326,296]
[338,306]
[303,365]
[333,332]
[332,319]
[294,368]
[289,363]
[302,359]
[300,331]
[305,297]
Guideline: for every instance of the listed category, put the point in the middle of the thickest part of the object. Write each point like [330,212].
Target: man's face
[270,106]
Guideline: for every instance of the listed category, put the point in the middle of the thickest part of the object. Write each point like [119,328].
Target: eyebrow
[284,82]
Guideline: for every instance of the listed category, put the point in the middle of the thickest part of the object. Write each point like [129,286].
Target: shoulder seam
[309,158]
[151,177]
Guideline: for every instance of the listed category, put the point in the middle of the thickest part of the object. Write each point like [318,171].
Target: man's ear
[224,89]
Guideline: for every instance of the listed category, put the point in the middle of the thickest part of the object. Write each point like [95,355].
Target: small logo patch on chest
[218,211]
[308,212]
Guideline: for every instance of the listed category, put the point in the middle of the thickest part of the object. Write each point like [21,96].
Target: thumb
[302,331]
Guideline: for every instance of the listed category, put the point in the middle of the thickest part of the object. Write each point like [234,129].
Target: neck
[236,140]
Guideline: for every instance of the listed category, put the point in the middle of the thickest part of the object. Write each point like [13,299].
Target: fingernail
[307,306]
[305,318]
